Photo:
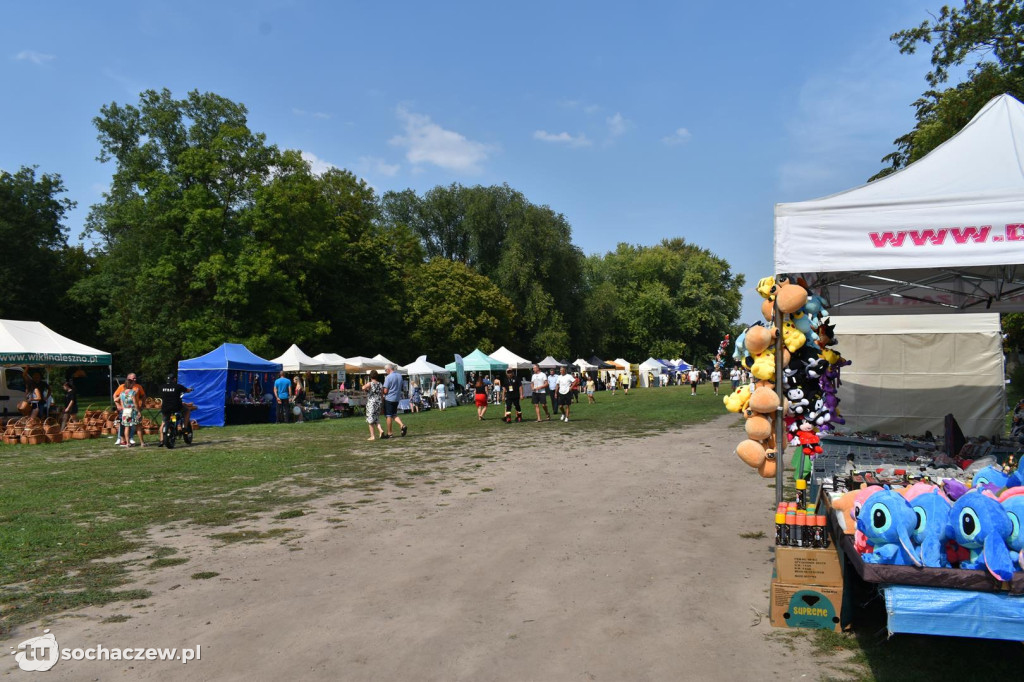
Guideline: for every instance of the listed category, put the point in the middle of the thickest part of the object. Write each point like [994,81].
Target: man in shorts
[392,394]
[553,390]
[716,378]
[694,378]
[564,382]
[539,383]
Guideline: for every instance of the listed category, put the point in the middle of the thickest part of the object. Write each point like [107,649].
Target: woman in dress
[130,415]
[374,396]
[480,398]
[415,397]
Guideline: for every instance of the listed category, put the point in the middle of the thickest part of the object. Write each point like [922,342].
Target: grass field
[66,506]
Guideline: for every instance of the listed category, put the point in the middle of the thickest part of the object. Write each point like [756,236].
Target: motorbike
[175,426]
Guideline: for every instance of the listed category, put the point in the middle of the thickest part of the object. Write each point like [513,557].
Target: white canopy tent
[584,365]
[421,367]
[550,363]
[359,364]
[294,360]
[511,359]
[650,366]
[331,362]
[945,234]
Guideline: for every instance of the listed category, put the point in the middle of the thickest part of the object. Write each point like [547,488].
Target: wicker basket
[33,435]
[92,412]
[57,437]
[195,425]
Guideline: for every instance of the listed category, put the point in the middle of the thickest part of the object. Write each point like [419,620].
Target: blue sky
[638,122]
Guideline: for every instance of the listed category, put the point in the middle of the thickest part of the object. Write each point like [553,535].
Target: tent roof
[584,365]
[34,343]
[330,361]
[359,364]
[601,364]
[422,366]
[652,364]
[550,363]
[478,361]
[231,356]
[294,360]
[624,364]
[942,235]
[511,359]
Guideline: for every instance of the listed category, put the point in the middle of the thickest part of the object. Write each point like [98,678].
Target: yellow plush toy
[738,399]
[792,337]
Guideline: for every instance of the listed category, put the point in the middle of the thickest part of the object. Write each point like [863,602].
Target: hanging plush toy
[981,525]
[932,509]
[887,520]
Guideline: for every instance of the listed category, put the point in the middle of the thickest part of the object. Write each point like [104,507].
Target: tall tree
[987,35]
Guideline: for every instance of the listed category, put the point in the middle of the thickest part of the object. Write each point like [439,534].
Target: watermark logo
[38,653]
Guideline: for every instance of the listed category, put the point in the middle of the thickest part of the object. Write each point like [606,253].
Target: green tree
[32,214]
[988,36]
[452,309]
[667,300]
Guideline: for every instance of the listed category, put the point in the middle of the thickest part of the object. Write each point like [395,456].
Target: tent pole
[780,422]
[110,382]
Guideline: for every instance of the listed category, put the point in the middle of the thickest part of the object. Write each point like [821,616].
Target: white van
[12,390]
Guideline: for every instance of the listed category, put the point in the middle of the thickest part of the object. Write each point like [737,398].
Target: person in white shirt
[716,378]
[553,391]
[539,383]
[693,377]
[734,377]
[564,382]
[611,382]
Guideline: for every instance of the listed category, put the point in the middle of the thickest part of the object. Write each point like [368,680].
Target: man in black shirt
[513,392]
[170,396]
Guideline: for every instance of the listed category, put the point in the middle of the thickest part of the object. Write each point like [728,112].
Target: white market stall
[424,373]
[943,235]
[511,359]
[24,343]
[294,360]
[650,372]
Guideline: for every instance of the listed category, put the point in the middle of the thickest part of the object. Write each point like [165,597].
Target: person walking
[734,377]
[591,387]
[553,390]
[539,384]
[374,396]
[440,394]
[563,383]
[70,404]
[716,378]
[612,381]
[480,398]
[130,402]
[513,394]
[626,379]
[130,383]
[415,397]
[694,378]
[300,399]
[283,394]
[392,394]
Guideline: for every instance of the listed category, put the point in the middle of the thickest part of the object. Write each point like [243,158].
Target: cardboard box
[799,566]
[806,606]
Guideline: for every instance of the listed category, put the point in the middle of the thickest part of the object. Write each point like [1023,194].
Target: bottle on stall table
[823,522]
[791,526]
[801,526]
[801,493]
[781,531]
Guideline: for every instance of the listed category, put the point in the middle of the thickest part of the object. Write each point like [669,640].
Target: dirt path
[609,561]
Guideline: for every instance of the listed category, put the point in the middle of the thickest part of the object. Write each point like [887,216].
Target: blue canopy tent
[214,377]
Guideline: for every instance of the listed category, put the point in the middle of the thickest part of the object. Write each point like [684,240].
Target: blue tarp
[215,376]
[958,613]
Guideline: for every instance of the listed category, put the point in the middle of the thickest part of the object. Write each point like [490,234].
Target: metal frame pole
[780,425]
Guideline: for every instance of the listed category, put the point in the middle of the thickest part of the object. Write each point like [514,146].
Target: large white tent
[511,359]
[330,362]
[653,367]
[945,234]
[422,367]
[294,360]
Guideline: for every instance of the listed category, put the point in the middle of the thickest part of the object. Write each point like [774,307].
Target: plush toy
[989,476]
[766,287]
[739,351]
[803,322]
[815,310]
[767,468]
[764,400]
[768,310]
[849,506]
[1012,500]
[798,402]
[758,339]
[981,525]
[789,296]
[809,442]
[887,520]
[751,452]
[762,366]
[738,399]
[932,509]
[953,488]
[792,337]
[758,427]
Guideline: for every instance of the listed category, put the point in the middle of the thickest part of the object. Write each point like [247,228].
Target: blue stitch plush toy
[979,524]
[887,520]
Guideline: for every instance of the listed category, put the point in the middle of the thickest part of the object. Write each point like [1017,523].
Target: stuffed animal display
[920,526]
[810,379]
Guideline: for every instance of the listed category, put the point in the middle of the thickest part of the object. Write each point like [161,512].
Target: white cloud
[371,165]
[321,114]
[562,138]
[618,124]
[37,58]
[679,136]
[427,142]
[316,164]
